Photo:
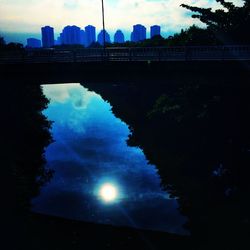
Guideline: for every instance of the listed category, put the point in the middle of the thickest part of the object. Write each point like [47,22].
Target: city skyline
[23,17]
[71,35]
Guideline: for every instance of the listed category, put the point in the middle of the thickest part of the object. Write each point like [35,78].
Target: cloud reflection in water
[89,150]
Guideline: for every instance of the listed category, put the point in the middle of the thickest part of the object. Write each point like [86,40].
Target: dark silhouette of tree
[230,24]
[10,46]
[195,129]
[156,41]
[191,37]
[26,137]
[14,46]
[2,41]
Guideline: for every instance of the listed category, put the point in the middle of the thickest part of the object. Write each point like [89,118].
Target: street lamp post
[103,25]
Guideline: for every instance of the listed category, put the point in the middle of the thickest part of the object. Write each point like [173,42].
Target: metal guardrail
[194,53]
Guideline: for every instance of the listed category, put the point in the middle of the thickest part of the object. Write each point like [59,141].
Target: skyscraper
[47,36]
[90,33]
[58,41]
[119,37]
[155,30]
[139,33]
[65,35]
[101,38]
[61,38]
[132,37]
[83,38]
[71,35]
[75,35]
[33,43]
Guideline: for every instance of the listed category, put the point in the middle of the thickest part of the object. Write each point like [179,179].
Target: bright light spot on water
[108,192]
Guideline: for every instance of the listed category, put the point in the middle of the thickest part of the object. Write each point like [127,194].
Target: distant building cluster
[34,43]
[74,35]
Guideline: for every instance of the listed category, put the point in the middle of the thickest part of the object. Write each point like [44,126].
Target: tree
[230,24]
[191,37]
[2,42]
[14,46]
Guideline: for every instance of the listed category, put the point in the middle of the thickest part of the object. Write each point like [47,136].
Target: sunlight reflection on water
[90,150]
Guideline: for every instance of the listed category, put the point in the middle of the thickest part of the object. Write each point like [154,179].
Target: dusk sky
[26,17]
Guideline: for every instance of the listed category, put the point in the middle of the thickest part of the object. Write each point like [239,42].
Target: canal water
[98,177]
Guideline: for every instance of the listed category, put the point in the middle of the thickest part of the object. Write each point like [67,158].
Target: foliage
[206,154]
[195,129]
[156,41]
[192,36]
[230,24]
[10,46]
[26,136]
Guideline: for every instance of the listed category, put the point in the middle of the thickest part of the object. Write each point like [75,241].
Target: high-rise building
[90,33]
[71,35]
[58,41]
[83,38]
[65,35]
[47,36]
[119,37]
[61,38]
[155,30]
[139,33]
[132,37]
[34,43]
[101,37]
[75,35]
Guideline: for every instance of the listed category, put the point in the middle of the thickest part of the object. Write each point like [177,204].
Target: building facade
[101,37]
[83,38]
[155,30]
[47,36]
[119,37]
[90,35]
[139,33]
[34,43]
[71,35]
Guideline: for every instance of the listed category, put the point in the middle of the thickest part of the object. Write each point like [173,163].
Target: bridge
[181,53]
[113,65]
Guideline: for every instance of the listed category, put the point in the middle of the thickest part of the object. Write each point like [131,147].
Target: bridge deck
[195,53]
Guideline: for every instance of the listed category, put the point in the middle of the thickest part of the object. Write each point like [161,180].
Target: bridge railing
[194,53]
[218,53]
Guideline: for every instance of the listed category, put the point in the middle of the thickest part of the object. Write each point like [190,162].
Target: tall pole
[103,25]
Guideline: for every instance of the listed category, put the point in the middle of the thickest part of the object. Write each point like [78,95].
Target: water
[98,177]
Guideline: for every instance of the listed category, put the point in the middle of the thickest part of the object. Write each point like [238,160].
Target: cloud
[29,16]
[71,4]
[60,93]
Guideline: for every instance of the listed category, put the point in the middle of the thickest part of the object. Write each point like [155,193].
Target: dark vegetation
[195,129]
[25,136]
[10,46]
[229,25]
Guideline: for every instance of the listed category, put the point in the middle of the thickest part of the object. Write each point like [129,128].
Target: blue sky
[27,16]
